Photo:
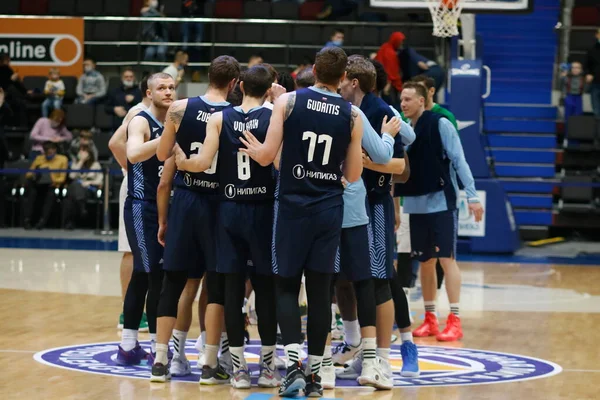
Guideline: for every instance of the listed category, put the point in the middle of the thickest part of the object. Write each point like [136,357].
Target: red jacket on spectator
[388,56]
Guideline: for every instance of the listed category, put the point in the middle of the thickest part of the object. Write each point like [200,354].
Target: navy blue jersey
[240,177]
[143,177]
[190,136]
[375,109]
[316,136]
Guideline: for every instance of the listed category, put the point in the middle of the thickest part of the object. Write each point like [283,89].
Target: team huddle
[297,191]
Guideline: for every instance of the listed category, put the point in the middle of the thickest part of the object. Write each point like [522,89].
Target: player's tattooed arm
[353,119]
[289,104]
[174,117]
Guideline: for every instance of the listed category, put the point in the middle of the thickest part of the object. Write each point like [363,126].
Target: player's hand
[276,91]
[391,127]
[252,145]
[476,209]
[344,182]
[162,230]
[589,78]
[180,157]
[367,162]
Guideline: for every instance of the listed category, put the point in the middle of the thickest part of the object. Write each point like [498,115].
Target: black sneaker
[293,382]
[313,386]
[214,376]
[160,373]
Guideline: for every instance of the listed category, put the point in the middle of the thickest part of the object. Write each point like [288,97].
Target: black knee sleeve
[288,310]
[215,283]
[266,308]
[404,269]
[235,285]
[135,298]
[383,292]
[400,303]
[439,271]
[172,287]
[319,310]
[365,302]
[155,281]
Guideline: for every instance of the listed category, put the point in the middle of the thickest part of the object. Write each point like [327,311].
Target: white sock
[384,353]
[268,356]
[292,353]
[314,364]
[153,342]
[278,329]
[179,338]
[454,309]
[161,354]
[406,336]
[201,341]
[237,358]
[369,348]
[327,360]
[211,352]
[352,332]
[129,339]
[224,344]
[333,312]
[430,307]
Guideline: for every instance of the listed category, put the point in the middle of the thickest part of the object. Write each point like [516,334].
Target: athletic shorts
[430,231]
[141,224]
[190,238]
[354,254]
[403,233]
[123,243]
[306,241]
[244,232]
[380,208]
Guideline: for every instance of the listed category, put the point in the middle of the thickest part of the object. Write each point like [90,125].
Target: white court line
[17,351]
[581,370]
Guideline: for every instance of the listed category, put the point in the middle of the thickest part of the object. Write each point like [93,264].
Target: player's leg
[408,350]
[327,367]
[347,301]
[202,303]
[180,366]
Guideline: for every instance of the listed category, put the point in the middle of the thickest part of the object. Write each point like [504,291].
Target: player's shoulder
[179,105]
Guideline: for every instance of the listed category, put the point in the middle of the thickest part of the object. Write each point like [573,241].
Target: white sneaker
[201,358]
[327,377]
[180,366]
[269,378]
[337,333]
[353,370]
[343,353]
[241,379]
[226,363]
[279,363]
[373,375]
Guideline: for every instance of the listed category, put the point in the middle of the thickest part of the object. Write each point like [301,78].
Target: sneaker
[121,321]
[453,330]
[279,363]
[293,382]
[241,379]
[394,338]
[373,374]
[268,378]
[143,324]
[133,356]
[327,377]
[214,376]
[343,352]
[180,366]
[160,373]
[337,333]
[353,370]
[313,386]
[410,360]
[226,363]
[429,327]
[152,357]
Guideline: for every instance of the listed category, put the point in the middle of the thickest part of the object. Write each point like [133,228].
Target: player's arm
[395,166]
[174,117]
[203,160]
[118,142]
[380,149]
[353,164]
[277,161]
[138,149]
[163,195]
[265,153]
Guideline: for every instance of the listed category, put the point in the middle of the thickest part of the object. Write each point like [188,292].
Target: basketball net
[445,14]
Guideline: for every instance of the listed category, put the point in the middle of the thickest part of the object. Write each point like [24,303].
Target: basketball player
[190,241]
[430,197]
[319,132]
[118,147]
[141,217]
[357,88]
[244,221]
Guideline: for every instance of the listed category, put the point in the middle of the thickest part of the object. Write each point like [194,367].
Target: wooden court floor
[59,298]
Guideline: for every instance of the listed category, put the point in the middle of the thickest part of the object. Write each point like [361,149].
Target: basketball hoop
[445,14]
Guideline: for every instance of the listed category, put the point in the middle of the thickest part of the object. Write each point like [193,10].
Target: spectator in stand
[192,9]
[49,129]
[155,31]
[305,78]
[333,9]
[177,68]
[91,87]
[122,98]
[413,64]
[38,182]
[388,56]
[54,91]
[14,92]
[336,39]
[306,63]
[83,185]
[85,138]
[593,76]
[573,84]
[255,59]
[5,113]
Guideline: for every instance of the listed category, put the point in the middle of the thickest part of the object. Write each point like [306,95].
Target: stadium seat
[172,8]
[582,129]
[284,10]
[277,33]
[61,7]
[35,83]
[577,198]
[106,31]
[310,9]
[79,116]
[249,33]
[580,40]
[418,37]
[298,56]
[257,9]
[130,31]
[102,120]
[34,7]
[586,16]
[9,6]
[113,83]
[305,34]
[87,7]
[209,9]
[116,7]
[225,33]
[101,141]
[367,36]
[228,9]
[70,88]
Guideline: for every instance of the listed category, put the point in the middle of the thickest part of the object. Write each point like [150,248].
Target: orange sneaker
[429,327]
[453,330]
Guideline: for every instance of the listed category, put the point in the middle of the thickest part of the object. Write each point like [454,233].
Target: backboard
[502,6]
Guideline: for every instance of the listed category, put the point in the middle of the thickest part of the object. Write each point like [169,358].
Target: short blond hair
[363,70]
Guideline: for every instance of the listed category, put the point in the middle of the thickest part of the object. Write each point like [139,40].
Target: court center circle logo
[440,366]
